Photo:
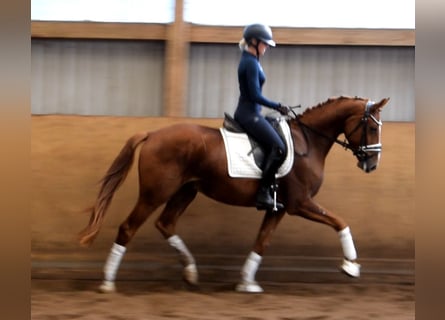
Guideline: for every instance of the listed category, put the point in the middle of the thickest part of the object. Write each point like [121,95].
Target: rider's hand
[284,110]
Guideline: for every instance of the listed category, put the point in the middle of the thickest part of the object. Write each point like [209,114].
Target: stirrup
[275,205]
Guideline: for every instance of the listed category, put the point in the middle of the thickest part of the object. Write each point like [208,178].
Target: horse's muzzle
[369,162]
[365,167]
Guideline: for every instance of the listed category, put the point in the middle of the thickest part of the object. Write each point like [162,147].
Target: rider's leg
[265,134]
[263,197]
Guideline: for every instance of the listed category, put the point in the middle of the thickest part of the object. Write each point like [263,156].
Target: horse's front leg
[248,283]
[312,211]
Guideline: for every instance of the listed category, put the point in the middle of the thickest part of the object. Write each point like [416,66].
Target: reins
[344,144]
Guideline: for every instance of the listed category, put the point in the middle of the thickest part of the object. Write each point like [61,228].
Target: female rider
[256,39]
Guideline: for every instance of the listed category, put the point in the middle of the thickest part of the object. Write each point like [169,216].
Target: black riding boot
[264,199]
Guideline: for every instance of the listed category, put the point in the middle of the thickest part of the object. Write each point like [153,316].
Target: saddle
[230,124]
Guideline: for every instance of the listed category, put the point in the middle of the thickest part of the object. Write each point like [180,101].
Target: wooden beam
[310,36]
[222,34]
[98,30]
[361,37]
[176,65]
[215,34]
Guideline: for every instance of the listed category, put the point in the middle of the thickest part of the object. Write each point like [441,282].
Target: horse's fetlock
[162,228]
[159,225]
[124,228]
[125,233]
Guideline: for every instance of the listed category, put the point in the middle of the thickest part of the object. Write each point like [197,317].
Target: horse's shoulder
[300,140]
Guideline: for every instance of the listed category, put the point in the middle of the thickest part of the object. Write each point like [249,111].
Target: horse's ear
[379,105]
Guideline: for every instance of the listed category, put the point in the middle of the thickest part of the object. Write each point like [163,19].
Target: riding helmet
[260,32]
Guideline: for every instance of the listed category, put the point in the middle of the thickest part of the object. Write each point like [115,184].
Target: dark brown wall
[71,153]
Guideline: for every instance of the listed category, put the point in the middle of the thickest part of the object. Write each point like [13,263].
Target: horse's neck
[327,123]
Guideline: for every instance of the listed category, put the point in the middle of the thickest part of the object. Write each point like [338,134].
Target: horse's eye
[373,129]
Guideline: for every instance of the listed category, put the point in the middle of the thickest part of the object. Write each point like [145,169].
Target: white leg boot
[248,283]
[349,266]
[190,272]
[110,268]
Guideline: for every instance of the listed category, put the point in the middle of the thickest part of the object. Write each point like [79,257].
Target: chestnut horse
[177,162]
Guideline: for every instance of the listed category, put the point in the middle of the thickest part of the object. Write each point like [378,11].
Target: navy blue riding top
[251,79]
[248,112]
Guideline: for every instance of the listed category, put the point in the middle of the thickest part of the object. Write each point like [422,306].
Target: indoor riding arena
[95,84]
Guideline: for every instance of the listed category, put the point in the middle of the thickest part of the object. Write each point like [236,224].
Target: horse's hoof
[107,287]
[250,287]
[351,268]
[191,274]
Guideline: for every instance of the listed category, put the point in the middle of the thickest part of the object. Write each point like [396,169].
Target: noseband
[362,151]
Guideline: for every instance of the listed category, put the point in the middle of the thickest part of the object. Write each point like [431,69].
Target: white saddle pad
[240,160]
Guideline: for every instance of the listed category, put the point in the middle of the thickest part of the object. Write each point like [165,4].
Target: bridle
[363,150]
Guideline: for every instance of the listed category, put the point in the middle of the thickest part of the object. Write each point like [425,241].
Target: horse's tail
[114,177]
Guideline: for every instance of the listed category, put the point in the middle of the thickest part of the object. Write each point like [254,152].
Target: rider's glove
[284,110]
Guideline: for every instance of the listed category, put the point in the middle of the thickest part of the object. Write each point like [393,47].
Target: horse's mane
[329,101]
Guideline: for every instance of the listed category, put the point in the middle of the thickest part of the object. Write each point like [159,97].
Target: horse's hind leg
[166,224]
[248,283]
[127,230]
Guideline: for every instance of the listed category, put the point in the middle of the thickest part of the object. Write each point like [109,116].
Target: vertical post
[176,65]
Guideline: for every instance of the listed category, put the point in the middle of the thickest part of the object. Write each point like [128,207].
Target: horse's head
[363,132]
